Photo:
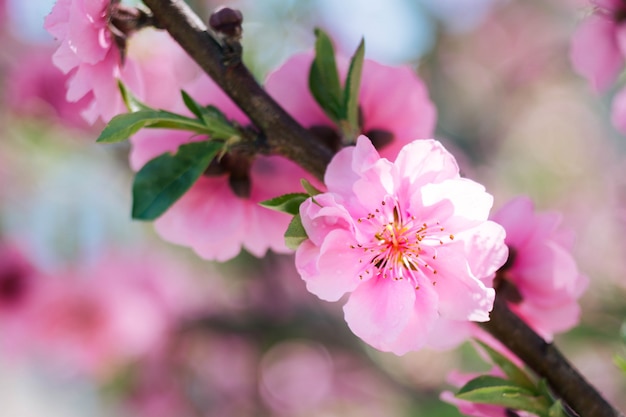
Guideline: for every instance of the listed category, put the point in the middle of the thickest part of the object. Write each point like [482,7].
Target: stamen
[398,241]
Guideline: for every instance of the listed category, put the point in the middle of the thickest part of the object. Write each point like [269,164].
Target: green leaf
[512,371]
[295,233]
[192,104]
[351,92]
[122,126]
[217,125]
[487,389]
[132,103]
[544,389]
[309,188]
[556,410]
[324,77]
[287,203]
[163,180]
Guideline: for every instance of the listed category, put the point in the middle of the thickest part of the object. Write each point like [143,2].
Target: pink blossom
[392,100]
[36,87]
[211,217]
[20,284]
[92,317]
[597,51]
[409,240]
[88,52]
[17,281]
[296,376]
[618,111]
[540,267]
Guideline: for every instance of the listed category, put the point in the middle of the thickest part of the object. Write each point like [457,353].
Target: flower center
[401,245]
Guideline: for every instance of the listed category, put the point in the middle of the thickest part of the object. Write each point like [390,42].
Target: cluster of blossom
[397,227]
[598,51]
[411,240]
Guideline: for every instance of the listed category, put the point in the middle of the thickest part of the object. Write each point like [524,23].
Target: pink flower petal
[338,267]
[487,256]
[289,86]
[208,218]
[461,295]
[469,198]
[57,21]
[595,52]
[391,315]
[406,103]
[515,216]
[426,161]
[618,111]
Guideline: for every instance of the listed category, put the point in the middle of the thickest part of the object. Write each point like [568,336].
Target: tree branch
[284,135]
[548,362]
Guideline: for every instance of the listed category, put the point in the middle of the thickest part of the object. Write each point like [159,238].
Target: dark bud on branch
[227,23]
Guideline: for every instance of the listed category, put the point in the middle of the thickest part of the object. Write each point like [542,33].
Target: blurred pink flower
[598,50]
[20,285]
[36,87]
[17,281]
[211,218]
[598,45]
[409,240]
[618,110]
[392,99]
[540,267]
[201,372]
[94,317]
[296,376]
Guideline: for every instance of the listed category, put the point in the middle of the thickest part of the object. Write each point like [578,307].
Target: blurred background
[99,317]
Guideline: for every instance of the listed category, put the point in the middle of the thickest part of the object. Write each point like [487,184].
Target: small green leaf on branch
[487,389]
[217,125]
[122,126]
[287,203]
[512,371]
[309,188]
[556,410]
[132,103]
[163,180]
[350,105]
[324,77]
[192,104]
[295,233]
